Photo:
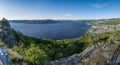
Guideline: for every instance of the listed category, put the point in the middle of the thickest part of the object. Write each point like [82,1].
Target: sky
[59,9]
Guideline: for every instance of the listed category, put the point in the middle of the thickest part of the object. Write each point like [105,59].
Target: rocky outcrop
[6,33]
[72,60]
[76,58]
[15,54]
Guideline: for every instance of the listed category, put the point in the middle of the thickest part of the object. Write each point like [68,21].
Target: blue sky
[59,9]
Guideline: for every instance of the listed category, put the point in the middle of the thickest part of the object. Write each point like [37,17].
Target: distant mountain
[35,21]
[113,21]
[48,21]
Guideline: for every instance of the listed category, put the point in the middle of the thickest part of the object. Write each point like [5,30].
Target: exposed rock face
[9,38]
[101,53]
[15,54]
[6,33]
[72,60]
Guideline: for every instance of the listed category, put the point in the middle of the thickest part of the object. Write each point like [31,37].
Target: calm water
[56,31]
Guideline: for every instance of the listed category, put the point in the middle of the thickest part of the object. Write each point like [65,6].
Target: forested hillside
[39,51]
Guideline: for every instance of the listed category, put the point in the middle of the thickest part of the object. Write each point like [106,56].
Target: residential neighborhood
[97,29]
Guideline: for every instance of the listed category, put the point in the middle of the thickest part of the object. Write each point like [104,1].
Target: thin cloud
[68,15]
[98,5]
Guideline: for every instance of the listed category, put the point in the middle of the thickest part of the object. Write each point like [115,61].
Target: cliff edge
[6,33]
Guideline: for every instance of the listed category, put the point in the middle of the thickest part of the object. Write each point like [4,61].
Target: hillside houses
[97,29]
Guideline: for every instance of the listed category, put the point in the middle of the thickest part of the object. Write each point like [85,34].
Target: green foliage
[35,56]
[39,51]
[34,49]
[4,20]
[52,49]
[15,48]
[5,23]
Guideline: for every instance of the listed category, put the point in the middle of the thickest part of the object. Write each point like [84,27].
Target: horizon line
[61,19]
